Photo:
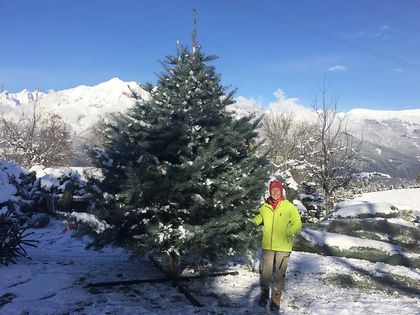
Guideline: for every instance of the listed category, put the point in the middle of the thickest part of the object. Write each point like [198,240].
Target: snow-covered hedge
[357,208]
[29,189]
[342,246]
[54,180]
[364,230]
[346,242]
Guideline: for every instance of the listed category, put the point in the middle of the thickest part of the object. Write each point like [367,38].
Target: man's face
[275,193]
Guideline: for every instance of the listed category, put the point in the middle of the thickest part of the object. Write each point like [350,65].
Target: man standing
[280,220]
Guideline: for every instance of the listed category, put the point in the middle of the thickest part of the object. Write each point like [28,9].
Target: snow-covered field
[54,282]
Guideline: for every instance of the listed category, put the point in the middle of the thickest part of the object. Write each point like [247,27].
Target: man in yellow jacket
[280,220]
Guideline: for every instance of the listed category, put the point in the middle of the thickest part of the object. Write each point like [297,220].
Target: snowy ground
[54,282]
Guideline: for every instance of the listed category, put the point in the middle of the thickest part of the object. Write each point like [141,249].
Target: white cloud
[290,105]
[399,70]
[337,68]
[245,106]
[282,104]
[248,103]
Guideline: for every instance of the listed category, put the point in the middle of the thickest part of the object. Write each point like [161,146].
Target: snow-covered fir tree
[181,175]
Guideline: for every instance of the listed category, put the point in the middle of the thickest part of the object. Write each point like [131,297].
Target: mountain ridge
[394,133]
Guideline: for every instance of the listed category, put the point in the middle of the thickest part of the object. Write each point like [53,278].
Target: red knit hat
[276,184]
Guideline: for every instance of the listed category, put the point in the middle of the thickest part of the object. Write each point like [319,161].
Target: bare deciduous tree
[284,136]
[35,137]
[333,150]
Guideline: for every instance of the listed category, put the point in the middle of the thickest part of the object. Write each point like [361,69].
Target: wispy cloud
[313,62]
[337,68]
[381,32]
[399,70]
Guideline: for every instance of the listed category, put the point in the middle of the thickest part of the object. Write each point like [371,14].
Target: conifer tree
[181,175]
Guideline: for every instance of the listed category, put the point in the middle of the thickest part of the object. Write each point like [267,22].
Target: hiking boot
[263,298]
[275,300]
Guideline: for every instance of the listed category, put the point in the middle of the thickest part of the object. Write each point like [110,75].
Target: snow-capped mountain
[81,106]
[391,138]
[393,129]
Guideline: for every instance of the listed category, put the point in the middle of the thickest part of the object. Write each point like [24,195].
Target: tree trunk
[327,202]
[66,199]
[171,265]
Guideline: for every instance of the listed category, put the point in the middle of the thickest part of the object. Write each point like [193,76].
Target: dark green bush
[13,236]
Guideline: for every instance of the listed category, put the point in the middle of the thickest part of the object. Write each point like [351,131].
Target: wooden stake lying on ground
[159,280]
[188,295]
[181,288]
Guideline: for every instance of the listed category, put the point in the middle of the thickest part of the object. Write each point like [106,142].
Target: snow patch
[99,226]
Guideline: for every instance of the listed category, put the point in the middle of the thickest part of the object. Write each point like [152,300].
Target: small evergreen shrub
[13,237]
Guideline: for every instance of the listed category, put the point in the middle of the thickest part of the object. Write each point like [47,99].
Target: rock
[39,220]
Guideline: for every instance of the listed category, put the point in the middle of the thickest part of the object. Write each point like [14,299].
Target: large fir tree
[181,175]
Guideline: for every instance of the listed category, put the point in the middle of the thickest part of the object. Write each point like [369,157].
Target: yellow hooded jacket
[279,225]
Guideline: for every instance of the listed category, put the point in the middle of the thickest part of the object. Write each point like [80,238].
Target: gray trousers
[273,260]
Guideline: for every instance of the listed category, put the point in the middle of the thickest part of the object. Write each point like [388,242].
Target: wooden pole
[160,280]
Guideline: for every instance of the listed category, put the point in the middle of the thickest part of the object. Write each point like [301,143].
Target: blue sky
[53,44]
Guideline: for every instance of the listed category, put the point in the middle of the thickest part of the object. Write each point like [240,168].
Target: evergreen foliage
[181,175]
